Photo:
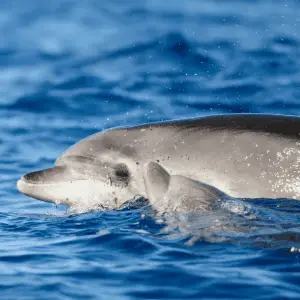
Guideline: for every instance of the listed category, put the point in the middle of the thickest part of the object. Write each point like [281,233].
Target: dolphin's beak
[39,184]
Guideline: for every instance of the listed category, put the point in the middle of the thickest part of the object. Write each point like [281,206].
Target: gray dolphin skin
[176,193]
[243,155]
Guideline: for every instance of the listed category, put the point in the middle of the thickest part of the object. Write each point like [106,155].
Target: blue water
[71,68]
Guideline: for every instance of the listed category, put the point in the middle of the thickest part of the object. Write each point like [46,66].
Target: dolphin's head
[100,171]
[79,184]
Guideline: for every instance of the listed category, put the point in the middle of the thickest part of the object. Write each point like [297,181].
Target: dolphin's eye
[122,172]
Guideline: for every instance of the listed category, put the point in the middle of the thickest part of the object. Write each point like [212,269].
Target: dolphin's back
[276,124]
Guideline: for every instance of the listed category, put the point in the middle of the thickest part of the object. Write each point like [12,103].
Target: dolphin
[177,193]
[243,155]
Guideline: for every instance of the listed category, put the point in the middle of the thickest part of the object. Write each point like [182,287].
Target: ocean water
[71,68]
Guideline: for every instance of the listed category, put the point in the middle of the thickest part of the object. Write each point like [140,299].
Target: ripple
[38,103]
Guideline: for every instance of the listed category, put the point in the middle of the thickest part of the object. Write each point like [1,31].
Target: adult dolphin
[243,155]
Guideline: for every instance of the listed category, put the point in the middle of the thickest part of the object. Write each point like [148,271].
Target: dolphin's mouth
[70,186]
[68,193]
[45,184]
[36,190]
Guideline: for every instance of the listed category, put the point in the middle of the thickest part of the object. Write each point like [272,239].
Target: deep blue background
[71,68]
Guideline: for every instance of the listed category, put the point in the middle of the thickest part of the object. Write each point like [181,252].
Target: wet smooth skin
[243,155]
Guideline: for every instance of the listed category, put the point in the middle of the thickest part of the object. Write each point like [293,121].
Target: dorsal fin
[156,180]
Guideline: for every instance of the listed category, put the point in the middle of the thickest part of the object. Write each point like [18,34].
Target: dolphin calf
[243,155]
[176,193]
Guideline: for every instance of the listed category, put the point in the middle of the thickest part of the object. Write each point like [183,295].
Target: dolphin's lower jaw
[33,190]
[80,193]
[60,193]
